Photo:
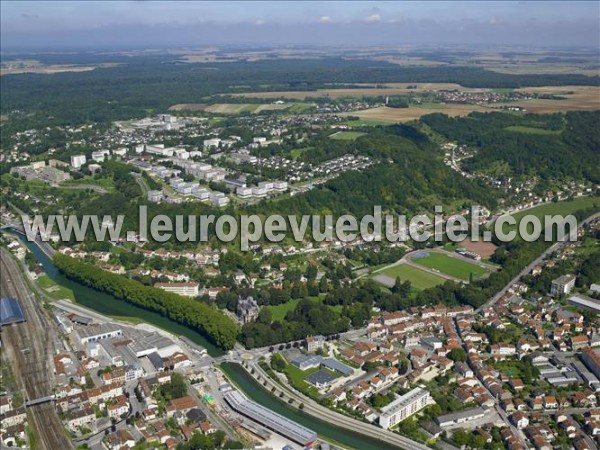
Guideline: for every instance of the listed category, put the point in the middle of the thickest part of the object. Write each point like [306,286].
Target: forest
[565,148]
[207,320]
[153,83]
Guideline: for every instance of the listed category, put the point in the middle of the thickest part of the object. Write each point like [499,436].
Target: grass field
[453,267]
[346,135]
[54,290]
[419,279]
[560,208]
[298,151]
[278,312]
[566,207]
[387,115]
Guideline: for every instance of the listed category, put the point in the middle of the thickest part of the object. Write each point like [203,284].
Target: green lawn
[279,311]
[298,151]
[346,135]
[419,279]
[54,290]
[532,130]
[566,207]
[560,208]
[454,267]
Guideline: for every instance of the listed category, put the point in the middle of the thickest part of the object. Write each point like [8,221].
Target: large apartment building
[562,285]
[404,407]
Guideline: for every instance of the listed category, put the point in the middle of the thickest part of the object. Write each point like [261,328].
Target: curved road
[314,409]
[554,247]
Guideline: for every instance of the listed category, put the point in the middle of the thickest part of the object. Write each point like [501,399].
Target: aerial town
[263,319]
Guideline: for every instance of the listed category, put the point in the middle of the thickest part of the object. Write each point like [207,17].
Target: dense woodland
[153,83]
[560,146]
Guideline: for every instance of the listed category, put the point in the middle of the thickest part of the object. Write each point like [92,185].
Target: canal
[238,375]
[111,306]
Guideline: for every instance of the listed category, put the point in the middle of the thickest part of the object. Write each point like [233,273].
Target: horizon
[64,26]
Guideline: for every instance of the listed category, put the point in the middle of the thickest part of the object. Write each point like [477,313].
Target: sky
[149,24]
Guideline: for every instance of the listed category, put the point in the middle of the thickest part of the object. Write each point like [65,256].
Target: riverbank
[108,305]
[255,391]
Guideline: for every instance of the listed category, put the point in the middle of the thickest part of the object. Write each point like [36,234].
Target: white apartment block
[404,406]
[77,161]
[185,289]
[562,285]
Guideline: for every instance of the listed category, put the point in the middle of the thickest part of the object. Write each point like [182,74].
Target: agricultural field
[450,265]
[367,90]
[577,98]
[387,115]
[419,279]
[242,108]
[346,135]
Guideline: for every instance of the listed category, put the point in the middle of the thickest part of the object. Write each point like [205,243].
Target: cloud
[260,22]
[29,16]
[373,18]
[325,19]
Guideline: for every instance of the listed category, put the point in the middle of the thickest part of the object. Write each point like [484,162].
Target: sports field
[452,266]
[419,279]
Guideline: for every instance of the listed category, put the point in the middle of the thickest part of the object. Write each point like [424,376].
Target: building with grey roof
[98,332]
[585,302]
[320,379]
[270,419]
[10,311]
[306,362]
[404,407]
[446,420]
[337,366]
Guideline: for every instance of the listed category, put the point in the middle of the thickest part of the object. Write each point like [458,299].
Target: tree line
[207,320]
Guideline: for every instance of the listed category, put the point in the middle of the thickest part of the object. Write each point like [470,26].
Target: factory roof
[270,419]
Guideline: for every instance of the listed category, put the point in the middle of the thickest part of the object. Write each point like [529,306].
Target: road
[554,247]
[334,418]
[28,347]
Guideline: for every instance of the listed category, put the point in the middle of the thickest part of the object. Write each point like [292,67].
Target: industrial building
[271,420]
[98,332]
[320,379]
[585,302]
[446,420]
[10,311]
[404,407]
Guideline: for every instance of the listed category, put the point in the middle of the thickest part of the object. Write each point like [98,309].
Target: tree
[277,362]
[323,285]
[457,355]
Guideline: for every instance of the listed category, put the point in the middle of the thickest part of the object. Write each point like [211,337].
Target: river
[256,392]
[111,306]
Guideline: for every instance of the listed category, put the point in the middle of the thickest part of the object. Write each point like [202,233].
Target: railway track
[28,347]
